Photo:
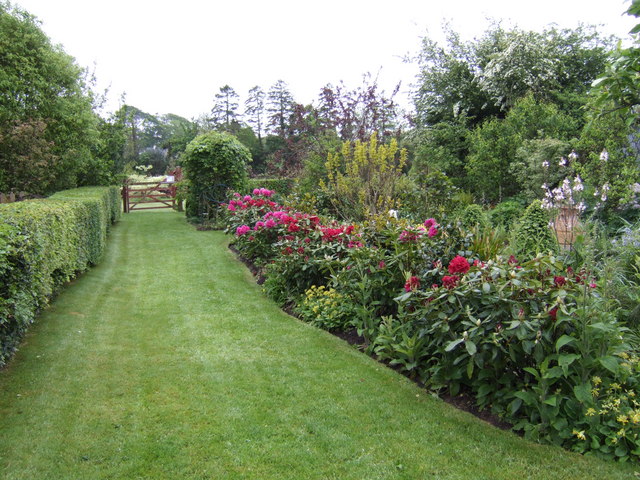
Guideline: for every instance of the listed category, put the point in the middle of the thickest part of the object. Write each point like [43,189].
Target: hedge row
[44,244]
[284,186]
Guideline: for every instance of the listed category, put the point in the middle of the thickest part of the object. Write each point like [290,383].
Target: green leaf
[470,368]
[471,347]
[555,372]
[532,371]
[527,397]
[453,345]
[583,393]
[553,401]
[610,363]
[565,360]
[486,288]
[564,340]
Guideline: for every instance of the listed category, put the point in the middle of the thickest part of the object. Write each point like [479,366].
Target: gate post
[125,198]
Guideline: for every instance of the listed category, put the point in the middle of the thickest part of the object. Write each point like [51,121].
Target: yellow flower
[590,412]
[579,434]
[596,380]
[621,432]
[623,419]
[635,418]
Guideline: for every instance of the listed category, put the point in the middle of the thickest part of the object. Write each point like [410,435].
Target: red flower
[381,264]
[553,313]
[559,280]
[459,265]
[412,284]
[513,260]
[450,281]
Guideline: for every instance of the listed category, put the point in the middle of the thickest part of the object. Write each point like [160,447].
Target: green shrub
[43,244]
[473,216]
[532,235]
[532,342]
[214,163]
[505,214]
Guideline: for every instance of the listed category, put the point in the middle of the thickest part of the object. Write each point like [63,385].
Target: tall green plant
[214,162]
[363,181]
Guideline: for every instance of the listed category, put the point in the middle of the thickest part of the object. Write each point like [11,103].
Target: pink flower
[592,285]
[433,231]
[381,264]
[269,223]
[431,222]
[242,229]
[247,198]
[256,191]
[258,226]
[413,283]
[512,260]
[459,265]
[231,208]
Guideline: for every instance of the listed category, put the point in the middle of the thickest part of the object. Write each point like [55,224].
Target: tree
[254,110]
[618,88]
[493,145]
[45,107]
[279,106]
[225,108]
[356,114]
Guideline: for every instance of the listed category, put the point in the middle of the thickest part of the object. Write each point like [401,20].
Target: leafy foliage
[47,122]
[363,181]
[43,244]
[214,162]
[532,234]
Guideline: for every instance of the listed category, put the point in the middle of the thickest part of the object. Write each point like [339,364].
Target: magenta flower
[430,222]
[459,265]
[242,229]
[433,231]
[269,223]
[256,191]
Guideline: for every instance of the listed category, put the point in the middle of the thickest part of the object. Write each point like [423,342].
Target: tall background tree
[224,113]
[47,124]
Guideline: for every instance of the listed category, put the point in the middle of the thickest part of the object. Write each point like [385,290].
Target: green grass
[166,361]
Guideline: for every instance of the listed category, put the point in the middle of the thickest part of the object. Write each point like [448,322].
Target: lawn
[166,361]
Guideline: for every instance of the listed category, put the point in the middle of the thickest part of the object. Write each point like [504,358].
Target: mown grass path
[166,362]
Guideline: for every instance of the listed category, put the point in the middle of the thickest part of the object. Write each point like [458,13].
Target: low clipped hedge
[284,186]
[43,244]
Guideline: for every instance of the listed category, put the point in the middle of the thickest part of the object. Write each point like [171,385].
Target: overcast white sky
[173,56]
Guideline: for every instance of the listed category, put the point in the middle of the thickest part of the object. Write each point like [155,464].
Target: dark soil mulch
[462,401]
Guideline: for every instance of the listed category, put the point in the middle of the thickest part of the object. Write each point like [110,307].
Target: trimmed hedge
[44,244]
[283,186]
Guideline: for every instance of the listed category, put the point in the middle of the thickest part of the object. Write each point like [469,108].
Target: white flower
[604,155]
[577,184]
[562,162]
[393,214]
[573,155]
[581,207]
[635,187]
[545,164]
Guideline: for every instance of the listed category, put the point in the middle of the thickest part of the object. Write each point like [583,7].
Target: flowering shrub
[531,340]
[524,339]
[324,308]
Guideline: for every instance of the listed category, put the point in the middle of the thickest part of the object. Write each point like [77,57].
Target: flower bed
[529,340]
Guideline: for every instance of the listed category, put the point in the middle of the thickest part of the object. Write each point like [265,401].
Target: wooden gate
[148,195]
